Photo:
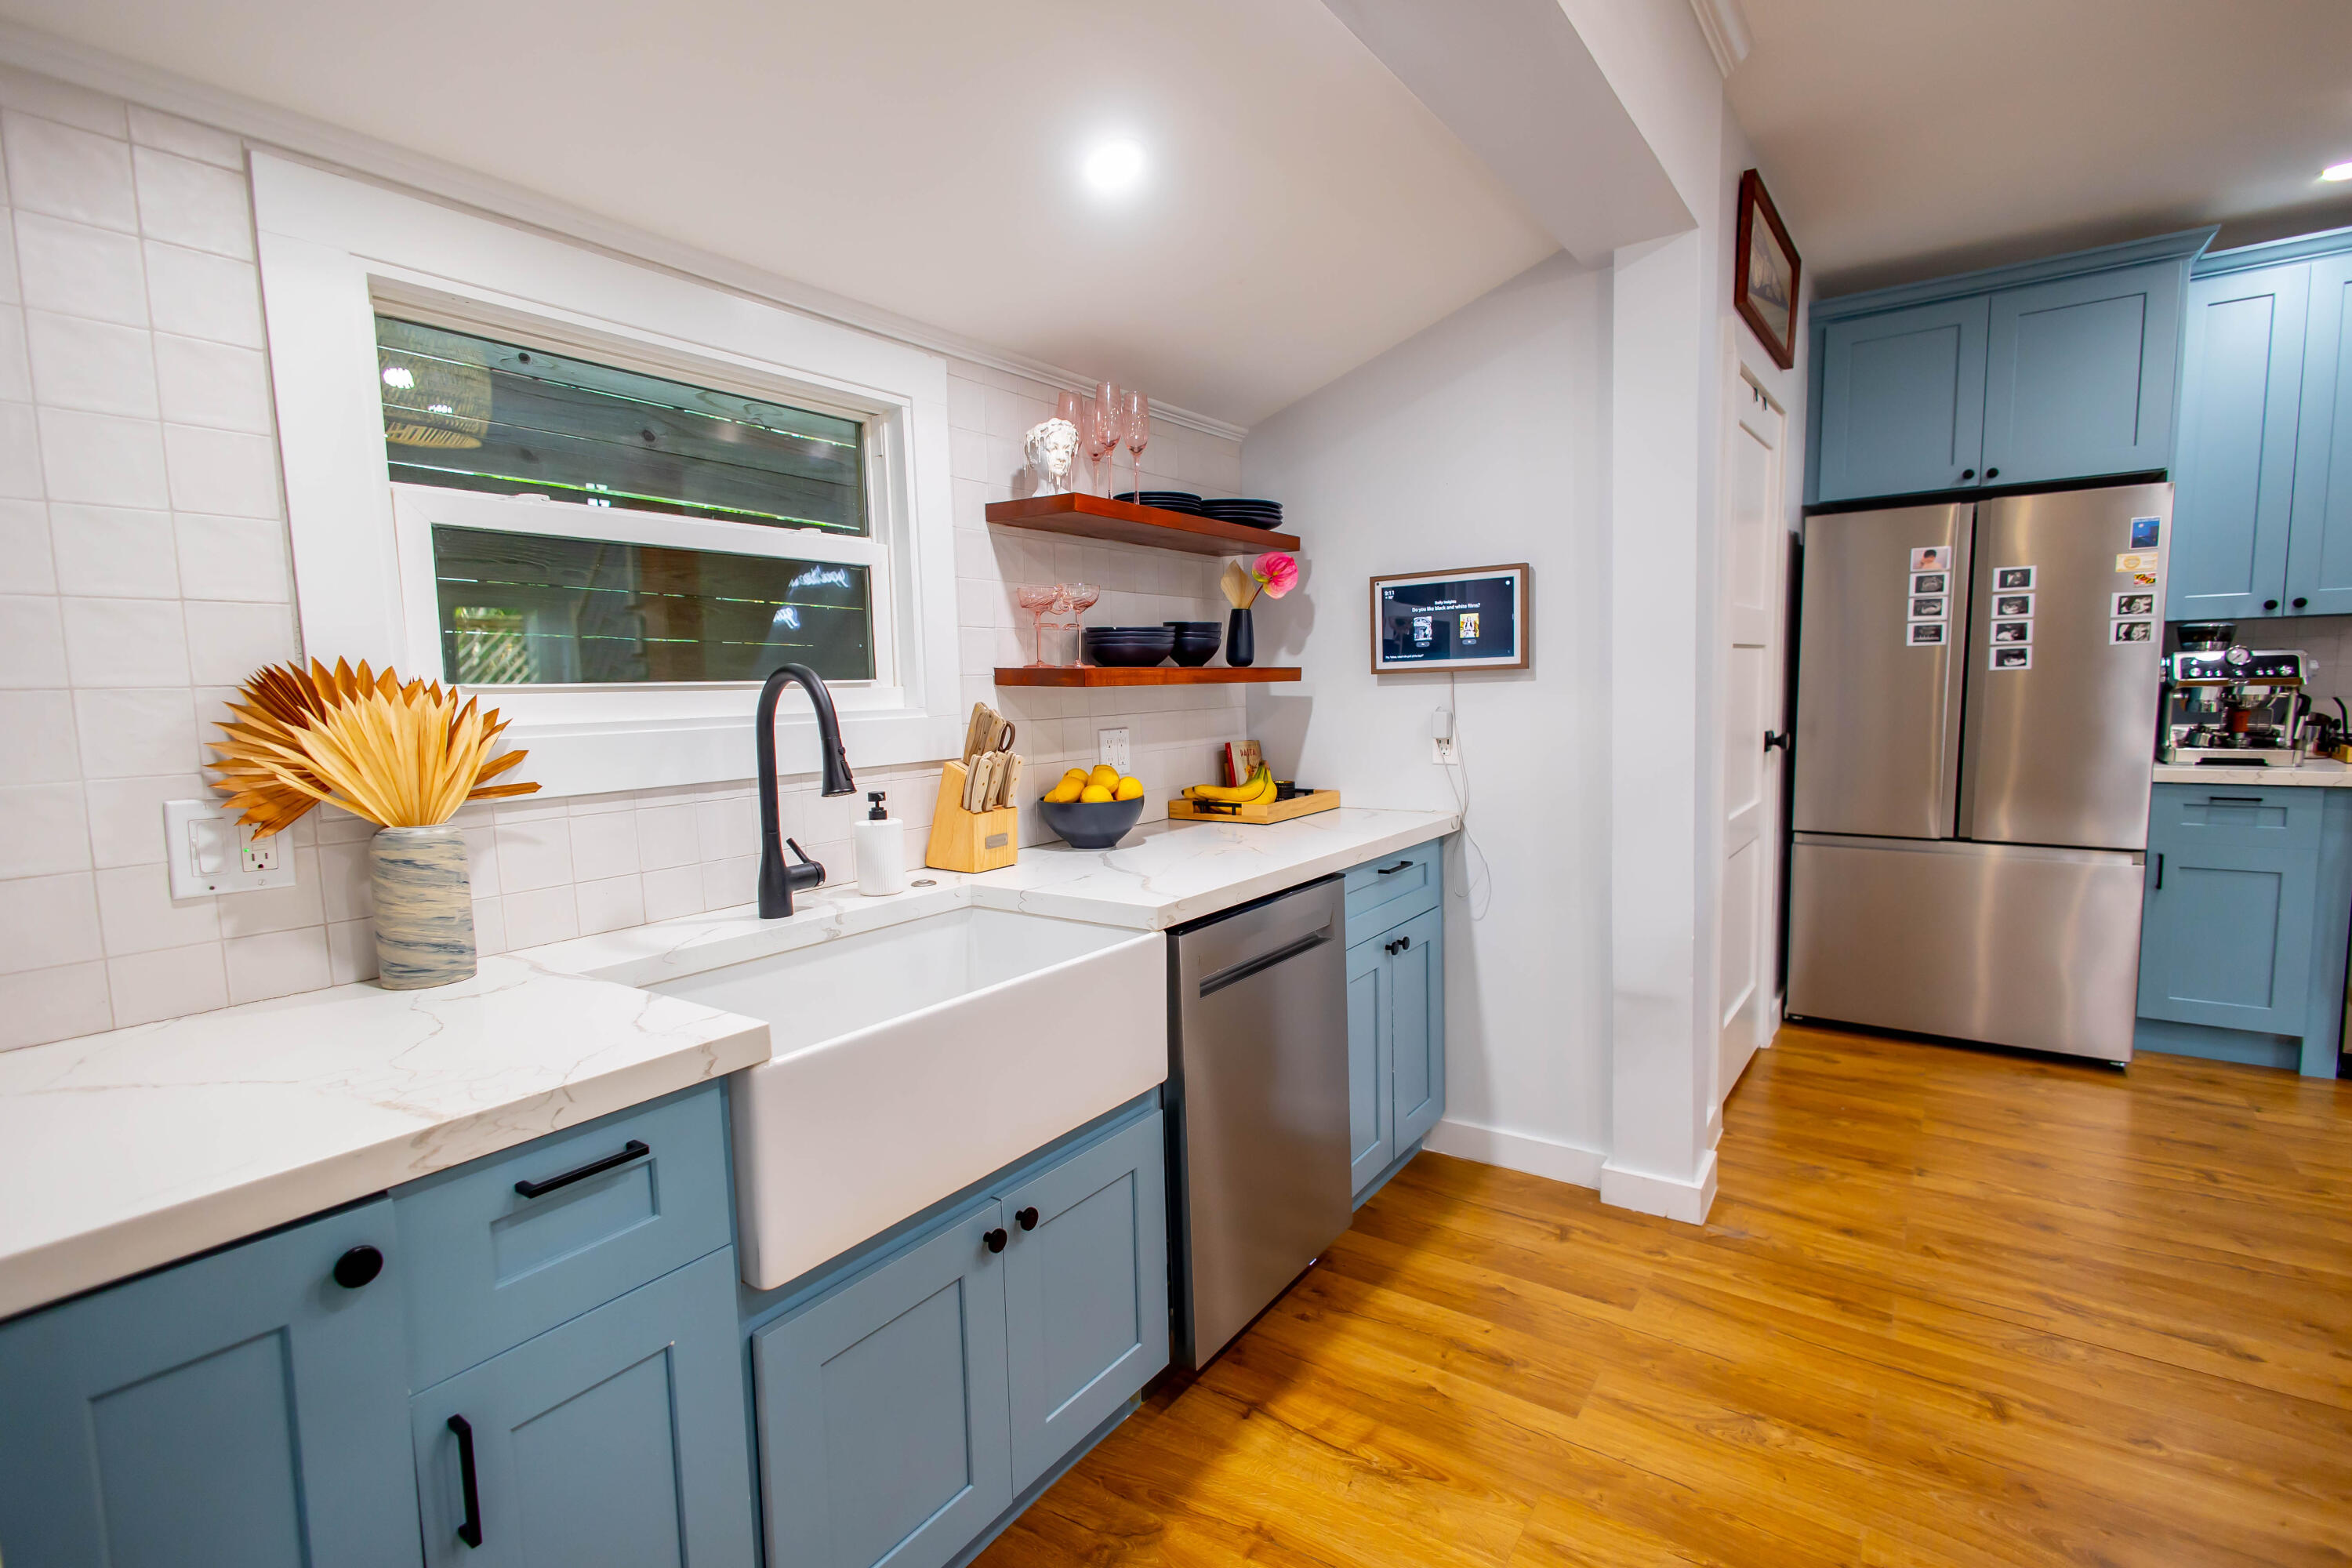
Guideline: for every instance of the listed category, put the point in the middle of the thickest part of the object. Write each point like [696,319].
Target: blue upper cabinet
[2235,483]
[2079,375]
[1902,400]
[2319,558]
[2057,370]
[245,1410]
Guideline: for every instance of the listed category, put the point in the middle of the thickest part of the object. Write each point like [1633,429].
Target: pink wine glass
[1102,429]
[1135,425]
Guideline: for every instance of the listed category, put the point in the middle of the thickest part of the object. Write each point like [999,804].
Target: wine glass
[1102,429]
[1135,425]
[1037,600]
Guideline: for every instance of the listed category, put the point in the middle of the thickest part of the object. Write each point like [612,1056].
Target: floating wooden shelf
[1124,523]
[1151,674]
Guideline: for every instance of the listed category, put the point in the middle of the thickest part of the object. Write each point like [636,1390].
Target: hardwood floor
[1950,1308]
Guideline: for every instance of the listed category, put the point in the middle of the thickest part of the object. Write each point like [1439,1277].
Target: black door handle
[2160,873]
[996,1239]
[357,1267]
[1992,473]
[1967,473]
[1773,742]
[1404,864]
[2299,602]
[632,1149]
[2270,603]
[470,1532]
[1028,1218]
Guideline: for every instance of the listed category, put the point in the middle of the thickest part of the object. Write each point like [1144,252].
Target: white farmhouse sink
[913,1061]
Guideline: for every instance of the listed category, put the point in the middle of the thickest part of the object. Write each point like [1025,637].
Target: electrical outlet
[1442,752]
[209,852]
[1111,750]
[257,854]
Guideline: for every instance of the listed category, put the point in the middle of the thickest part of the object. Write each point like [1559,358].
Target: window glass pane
[526,609]
[474,413]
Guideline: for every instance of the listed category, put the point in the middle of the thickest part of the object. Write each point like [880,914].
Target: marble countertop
[127,1150]
[2317,774]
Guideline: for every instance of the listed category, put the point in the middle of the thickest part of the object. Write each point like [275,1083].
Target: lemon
[1104,775]
[1095,794]
[1129,788]
[1067,790]
[1077,774]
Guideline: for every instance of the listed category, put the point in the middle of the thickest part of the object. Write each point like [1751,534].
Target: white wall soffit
[1516,82]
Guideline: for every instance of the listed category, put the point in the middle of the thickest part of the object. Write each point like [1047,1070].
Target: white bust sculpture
[1051,447]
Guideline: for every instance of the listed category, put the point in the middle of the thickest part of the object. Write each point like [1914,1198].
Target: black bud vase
[1241,639]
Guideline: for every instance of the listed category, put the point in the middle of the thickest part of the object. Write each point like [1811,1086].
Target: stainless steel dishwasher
[1258,1035]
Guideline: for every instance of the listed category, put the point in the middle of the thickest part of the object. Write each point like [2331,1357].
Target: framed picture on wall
[1764,291]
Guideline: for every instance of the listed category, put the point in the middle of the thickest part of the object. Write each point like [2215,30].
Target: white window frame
[335,250]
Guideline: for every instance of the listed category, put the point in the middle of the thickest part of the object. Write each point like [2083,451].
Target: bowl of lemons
[1093,810]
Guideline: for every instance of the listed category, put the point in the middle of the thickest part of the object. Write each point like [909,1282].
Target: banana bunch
[1257,791]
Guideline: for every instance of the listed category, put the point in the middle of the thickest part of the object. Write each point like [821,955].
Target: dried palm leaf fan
[436,387]
[400,757]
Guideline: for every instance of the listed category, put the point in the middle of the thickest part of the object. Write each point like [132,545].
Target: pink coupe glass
[1037,599]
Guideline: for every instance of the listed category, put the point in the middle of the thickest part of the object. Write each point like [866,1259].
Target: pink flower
[1277,573]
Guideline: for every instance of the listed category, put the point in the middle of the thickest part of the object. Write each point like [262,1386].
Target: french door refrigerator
[1976,720]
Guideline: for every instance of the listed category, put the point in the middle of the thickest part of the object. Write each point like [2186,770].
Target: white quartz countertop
[127,1150]
[2317,774]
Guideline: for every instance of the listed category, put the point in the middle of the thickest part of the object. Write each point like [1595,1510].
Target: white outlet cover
[1443,751]
[1111,750]
[209,852]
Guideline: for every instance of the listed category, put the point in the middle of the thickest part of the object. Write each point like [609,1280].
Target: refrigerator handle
[2159,870]
[1951,800]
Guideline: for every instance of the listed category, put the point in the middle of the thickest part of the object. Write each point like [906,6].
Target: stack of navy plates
[1251,513]
[1166,500]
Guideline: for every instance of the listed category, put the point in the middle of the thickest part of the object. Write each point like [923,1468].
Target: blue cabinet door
[1085,1291]
[241,1411]
[618,1437]
[1902,400]
[2079,375]
[883,1430]
[2226,928]
[2319,556]
[1371,1125]
[1416,1023]
[2236,481]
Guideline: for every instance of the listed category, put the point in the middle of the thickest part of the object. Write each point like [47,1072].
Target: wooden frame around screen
[1755,200]
[1526,584]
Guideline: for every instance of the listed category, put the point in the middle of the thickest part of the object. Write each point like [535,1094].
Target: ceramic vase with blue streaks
[423,907]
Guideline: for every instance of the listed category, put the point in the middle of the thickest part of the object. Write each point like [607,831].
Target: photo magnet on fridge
[2145,530]
[2135,604]
[2131,631]
[2011,658]
[2008,606]
[1932,558]
[1928,609]
[2016,632]
[1928,582]
[2011,579]
[1925,634]
[2137,562]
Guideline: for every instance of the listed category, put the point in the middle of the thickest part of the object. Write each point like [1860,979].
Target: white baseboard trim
[1567,1162]
[1666,1196]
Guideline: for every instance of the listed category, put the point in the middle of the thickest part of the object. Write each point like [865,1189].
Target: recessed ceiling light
[1115,165]
[2337,172]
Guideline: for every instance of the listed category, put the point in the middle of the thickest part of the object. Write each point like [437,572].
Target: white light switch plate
[1111,750]
[209,852]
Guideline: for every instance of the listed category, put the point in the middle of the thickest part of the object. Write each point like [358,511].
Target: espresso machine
[2226,703]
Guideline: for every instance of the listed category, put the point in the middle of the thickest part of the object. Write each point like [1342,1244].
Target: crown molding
[1725,27]
[351,152]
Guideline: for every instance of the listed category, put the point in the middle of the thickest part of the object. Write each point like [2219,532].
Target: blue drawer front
[1395,888]
[491,1266]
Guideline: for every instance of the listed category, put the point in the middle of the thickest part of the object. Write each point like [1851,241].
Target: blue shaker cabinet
[1415,1009]
[2319,552]
[2235,485]
[243,1410]
[1371,1108]
[1902,400]
[2079,375]
[1396,1011]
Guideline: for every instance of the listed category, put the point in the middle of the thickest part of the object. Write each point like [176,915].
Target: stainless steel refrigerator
[1972,766]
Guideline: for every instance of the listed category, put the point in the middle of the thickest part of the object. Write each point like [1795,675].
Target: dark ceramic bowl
[1129,647]
[1196,642]
[1091,823]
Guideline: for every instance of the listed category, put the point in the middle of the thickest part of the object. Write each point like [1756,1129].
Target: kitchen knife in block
[965,840]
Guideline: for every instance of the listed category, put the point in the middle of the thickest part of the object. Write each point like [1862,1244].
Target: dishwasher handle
[1235,975]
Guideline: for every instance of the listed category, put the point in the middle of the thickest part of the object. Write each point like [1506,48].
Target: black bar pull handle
[632,1149]
[470,1532]
[2159,871]
[1403,865]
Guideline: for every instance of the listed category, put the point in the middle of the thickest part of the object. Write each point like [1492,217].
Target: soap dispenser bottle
[881,850]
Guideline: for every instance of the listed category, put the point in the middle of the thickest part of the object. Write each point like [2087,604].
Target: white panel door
[1754,542]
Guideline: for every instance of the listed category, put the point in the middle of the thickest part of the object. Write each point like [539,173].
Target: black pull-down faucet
[777,880]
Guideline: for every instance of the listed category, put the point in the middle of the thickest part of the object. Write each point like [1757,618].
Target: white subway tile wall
[144,571]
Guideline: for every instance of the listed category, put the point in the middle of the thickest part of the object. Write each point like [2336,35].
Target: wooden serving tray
[1182,809]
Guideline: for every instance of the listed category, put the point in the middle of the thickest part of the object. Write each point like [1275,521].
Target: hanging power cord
[1457,779]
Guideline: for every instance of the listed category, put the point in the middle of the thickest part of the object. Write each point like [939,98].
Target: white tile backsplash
[144,571]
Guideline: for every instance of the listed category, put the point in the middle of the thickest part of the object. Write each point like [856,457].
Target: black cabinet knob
[1967,473]
[1028,1218]
[2300,602]
[2270,603]
[996,1239]
[1992,473]
[357,1267]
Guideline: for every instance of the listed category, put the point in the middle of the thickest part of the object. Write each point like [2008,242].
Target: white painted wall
[1483,440]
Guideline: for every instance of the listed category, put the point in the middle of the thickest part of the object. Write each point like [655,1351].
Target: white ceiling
[1302,211]
[1901,140]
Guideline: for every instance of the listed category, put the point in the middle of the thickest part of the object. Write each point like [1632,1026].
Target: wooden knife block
[970,840]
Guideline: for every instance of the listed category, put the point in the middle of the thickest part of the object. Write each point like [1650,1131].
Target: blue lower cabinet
[1371,1108]
[1396,1032]
[244,1410]
[1416,1011]
[882,1409]
[1086,1292]
[618,1437]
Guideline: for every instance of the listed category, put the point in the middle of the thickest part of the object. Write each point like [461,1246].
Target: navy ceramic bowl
[1196,642]
[1091,823]
[1129,647]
